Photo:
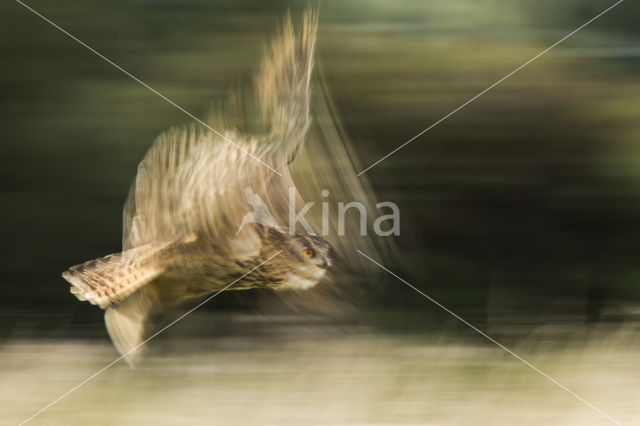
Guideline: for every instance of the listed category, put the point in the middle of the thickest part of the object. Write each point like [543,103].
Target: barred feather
[110,279]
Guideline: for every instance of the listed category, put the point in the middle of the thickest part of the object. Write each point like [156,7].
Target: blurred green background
[523,204]
[520,213]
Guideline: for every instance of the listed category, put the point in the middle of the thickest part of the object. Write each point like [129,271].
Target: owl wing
[193,181]
[148,215]
[276,107]
[328,162]
[190,182]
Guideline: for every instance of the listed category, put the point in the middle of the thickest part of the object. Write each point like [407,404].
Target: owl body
[180,222]
[200,211]
[206,208]
[196,268]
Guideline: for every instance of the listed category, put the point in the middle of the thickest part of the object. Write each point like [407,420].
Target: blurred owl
[183,238]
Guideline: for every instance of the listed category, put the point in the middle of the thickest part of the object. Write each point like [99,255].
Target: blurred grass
[290,375]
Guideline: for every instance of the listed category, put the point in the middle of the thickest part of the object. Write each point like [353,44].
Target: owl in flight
[181,238]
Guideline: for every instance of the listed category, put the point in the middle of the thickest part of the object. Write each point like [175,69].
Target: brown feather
[110,279]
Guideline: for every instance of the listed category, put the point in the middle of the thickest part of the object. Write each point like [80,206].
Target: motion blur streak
[492,86]
[354,376]
[149,88]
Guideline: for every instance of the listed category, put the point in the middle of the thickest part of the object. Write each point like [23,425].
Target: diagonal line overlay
[490,87]
[500,345]
[148,87]
[97,373]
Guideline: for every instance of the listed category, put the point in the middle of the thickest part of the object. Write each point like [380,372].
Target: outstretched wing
[282,84]
[276,108]
[192,182]
[328,162]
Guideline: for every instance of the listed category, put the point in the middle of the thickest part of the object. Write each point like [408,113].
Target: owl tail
[115,283]
[109,280]
[118,283]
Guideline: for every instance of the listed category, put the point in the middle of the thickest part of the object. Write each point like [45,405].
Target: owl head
[303,259]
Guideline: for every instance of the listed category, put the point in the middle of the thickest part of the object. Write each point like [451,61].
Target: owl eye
[309,252]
